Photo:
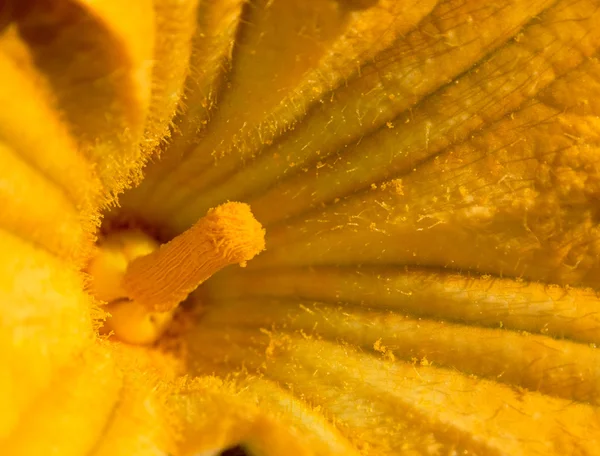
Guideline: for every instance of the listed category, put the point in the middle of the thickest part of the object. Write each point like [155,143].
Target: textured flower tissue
[299,227]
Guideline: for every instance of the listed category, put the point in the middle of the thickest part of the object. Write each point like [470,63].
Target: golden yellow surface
[427,173]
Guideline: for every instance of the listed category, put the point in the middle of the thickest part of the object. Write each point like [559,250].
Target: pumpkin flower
[410,188]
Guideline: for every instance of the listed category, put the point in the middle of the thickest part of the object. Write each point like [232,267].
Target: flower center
[143,282]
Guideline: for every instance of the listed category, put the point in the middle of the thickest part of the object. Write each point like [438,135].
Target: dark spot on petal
[235,451]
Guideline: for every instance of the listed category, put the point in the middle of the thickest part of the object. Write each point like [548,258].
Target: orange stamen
[143,283]
[228,234]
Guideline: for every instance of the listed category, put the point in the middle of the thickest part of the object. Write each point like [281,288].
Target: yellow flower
[425,171]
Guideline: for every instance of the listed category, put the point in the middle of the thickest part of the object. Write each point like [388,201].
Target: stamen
[144,285]
[228,234]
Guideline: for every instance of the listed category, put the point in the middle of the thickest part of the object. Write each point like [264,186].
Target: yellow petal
[174,27]
[273,86]
[513,188]
[55,421]
[98,63]
[45,323]
[487,301]
[404,407]
[48,175]
[76,87]
[258,413]
[455,146]
[442,46]
[555,367]
[141,422]
[212,46]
